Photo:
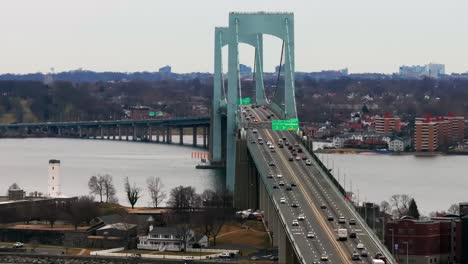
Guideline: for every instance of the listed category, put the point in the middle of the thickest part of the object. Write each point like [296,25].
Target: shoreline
[386,152]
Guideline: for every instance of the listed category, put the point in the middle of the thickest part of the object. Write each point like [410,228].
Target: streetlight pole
[393,244]
[406,242]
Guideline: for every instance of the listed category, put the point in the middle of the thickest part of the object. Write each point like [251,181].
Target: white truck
[342,234]
[378,261]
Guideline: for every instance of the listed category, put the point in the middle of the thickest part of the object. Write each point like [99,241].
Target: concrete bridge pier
[168,135]
[181,136]
[120,132]
[134,137]
[195,136]
[113,133]
[80,133]
[59,131]
[102,132]
[205,137]
[157,135]
[150,133]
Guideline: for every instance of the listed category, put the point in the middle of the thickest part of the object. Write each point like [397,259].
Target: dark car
[291,159]
[290,147]
[304,157]
[299,150]
[364,253]
[289,187]
[270,176]
[271,163]
[275,186]
[355,256]
[352,234]
[293,184]
[294,154]
[323,206]
[352,221]
[294,205]
[330,218]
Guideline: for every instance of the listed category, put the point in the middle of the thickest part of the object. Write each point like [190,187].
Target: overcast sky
[143,35]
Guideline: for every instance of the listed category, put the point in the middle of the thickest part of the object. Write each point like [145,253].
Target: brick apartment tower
[433,132]
[387,124]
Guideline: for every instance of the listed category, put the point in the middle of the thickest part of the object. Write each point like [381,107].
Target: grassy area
[167,253]
[47,227]
[252,234]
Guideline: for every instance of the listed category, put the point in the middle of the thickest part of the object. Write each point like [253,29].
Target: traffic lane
[290,197]
[319,241]
[345,249]
[309,205]
[327,185]
[317,188]
[307,252]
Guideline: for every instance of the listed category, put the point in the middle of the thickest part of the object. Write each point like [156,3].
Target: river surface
[435,182]
[25,161]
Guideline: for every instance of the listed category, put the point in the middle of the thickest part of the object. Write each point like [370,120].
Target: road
[314,190]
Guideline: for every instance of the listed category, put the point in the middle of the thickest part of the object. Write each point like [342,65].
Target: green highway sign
[152,113]
[289,124]
[244,101]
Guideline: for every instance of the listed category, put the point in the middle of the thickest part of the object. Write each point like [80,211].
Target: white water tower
[53,189]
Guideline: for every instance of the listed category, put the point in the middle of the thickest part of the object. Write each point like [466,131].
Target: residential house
[168,239]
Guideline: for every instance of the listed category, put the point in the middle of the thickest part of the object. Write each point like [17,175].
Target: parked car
[18,245]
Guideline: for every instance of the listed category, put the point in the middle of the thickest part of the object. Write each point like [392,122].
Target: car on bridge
[310,234]
[253,141]
[324,257]
[283,200]
[279,175]
[271,163]
[294,205]
[352,234]
[352,221]
[364,253]
[254,130]
[291,159]
[360,246]
[295,223]
[281,183]
[301,217]
[270,176]
[330,217]
[298,158]
[288,187]
[275,186]
[355,256]
[308,162]
[341,220]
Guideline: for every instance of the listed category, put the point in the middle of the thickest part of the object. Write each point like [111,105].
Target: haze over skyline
[129,36]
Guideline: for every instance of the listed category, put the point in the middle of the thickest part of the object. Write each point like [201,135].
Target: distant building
[431,133]
[144,113]
[432,70]
[16,194]
[117,230]
[244,69]
[435,241]
[165,69]
[53,189]
[387,124]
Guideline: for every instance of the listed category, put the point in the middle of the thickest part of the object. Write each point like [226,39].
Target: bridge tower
[247,27]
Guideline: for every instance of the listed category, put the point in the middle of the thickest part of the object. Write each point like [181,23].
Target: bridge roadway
[313,190]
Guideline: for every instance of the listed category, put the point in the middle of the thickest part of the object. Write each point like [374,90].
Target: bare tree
[96,186]
[400,204]
[155,189]
[184,198]
[385,207]
[52,214]
[83,210]
[454,209]
[133,192]
[108,187]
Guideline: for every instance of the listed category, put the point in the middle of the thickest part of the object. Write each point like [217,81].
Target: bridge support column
[80,133]
[120,132]
[204,137]
[194,136]
[113,133]
[134,137]
[169,135]
[102,132]
[59,131]
[157,135]
[150,133]
[181,136]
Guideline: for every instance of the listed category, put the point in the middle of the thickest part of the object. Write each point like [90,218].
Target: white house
[167,239]
[398,144]
[338,142]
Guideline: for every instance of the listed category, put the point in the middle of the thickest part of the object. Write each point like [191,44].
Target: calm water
[435,182]
[25,161]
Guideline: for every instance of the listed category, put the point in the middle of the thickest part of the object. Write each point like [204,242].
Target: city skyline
[128,37]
